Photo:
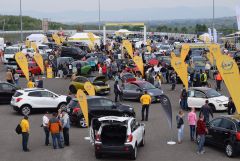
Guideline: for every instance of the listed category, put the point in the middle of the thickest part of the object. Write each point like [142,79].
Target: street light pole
[213,18]
[99,15]
[21,20]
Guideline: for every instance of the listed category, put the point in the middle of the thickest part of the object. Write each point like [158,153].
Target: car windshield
[212,93]
[146,86]
[10,51]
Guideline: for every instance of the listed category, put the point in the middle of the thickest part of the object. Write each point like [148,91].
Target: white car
[198,95]
[9,53]
[27,100]
[44,49]
[29,52]
[117,135]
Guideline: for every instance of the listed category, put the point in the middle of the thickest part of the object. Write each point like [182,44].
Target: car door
[49,100]
[136,131]
[131,91]
[35,99]
[7,91]
[198,99]
[110,108]
[191,98]
[213,130]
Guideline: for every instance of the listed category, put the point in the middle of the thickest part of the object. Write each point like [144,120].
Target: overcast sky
[57,6]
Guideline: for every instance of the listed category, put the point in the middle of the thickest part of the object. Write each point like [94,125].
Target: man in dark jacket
[206,111]
[231,107]
[117,90]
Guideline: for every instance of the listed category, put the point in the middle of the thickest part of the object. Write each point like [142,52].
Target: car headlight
[218,101]
[131,108]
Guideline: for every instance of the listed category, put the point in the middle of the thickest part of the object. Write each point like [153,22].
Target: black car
[236,57]
[7,90]
[73,52]
[97,107]
[224,132]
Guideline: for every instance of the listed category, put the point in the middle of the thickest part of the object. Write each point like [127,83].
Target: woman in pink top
[192,119]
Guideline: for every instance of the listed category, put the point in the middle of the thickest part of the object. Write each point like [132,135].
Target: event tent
[123,32]
[38,38]
[205,38]
[83,37]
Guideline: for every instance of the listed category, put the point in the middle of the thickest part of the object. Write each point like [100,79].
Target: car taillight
[18,99]
[129,138]
[238,136]
[98,138]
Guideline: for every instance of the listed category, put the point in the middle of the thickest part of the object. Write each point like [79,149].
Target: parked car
[7,90]
[224,132]
[9,53]
[198,95]
[117,135]
[134,90]
[29,52]
[44,49]
[198,63]
[127,77]
[85,67]
[33,69]
[73,52]
[99,83]
[97,107]
[27,100]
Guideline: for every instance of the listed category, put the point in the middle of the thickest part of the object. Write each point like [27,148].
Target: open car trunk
[114,134]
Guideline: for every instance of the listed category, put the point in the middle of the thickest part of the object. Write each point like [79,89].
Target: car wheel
[143,140]
[26,110]
[229,150]
[134,153]
[72,89]
[82,122]
[51,57]
[212,107]
[98,155]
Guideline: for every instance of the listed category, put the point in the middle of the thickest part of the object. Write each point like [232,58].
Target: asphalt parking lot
[157,135]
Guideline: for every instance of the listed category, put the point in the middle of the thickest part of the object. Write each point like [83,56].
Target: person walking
[45,122]
[30,84]
[25,126]
[201,133]
[9,76]
[66,127]
[40,82]
[16,77]
[231,107]
[203,77]
[55,128]
[206,111]
[184,98]
[192,120]
[173,80]
[117,91]
[180,126]
[218,81]
[146,101]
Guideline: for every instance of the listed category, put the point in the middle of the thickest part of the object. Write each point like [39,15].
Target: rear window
[17,94]
[34,94]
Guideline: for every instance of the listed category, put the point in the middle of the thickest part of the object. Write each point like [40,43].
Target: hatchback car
[198,95]
[30,99]
[224,132]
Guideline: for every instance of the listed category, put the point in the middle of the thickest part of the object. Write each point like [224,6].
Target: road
[157,135]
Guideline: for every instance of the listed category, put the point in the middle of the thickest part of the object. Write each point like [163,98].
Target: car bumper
[125,149]
[103,91]
[221,107]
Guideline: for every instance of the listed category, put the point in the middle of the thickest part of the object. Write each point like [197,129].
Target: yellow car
[99,83]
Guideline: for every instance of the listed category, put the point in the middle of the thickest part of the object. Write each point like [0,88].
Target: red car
[33,69]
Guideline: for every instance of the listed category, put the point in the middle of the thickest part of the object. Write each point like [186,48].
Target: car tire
[26,110]
[143,140]
[98,155]
[72,89]
[133,155]
[51,57]
[82,122]
[230,150]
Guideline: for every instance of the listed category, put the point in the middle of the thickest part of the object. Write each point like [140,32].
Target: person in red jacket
[104,70]
[201,132]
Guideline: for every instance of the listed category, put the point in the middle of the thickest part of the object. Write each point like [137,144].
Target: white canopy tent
[38,38]
[123,32]
[83,37]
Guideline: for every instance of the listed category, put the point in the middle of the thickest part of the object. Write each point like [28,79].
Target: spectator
[16,77]
[45,122]
[146,101]
[192,119]
[30,84]
[173,80]
[117,90]
[184,98]
[40,82]
[206,111]
[201,132]
[25,133]
[231,107]
[9,76]
[66,127]
[218,79]
[180,126]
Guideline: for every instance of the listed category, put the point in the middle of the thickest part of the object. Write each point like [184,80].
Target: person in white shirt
[45,121]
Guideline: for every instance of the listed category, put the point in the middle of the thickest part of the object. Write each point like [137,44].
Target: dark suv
[73,52]
[98,107]
[224,132]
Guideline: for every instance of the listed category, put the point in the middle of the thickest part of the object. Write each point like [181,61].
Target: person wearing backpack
[203,78]
[25,133]
[184,97]
[180,126]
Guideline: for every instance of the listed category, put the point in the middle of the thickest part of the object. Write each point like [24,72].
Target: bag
[18,129]
[202,77]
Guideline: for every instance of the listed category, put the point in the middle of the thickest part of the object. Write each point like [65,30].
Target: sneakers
[202,152]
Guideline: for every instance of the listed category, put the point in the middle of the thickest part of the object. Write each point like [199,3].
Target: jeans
[219,85]
[66,136]
[180,133]
[145,107]
[173,86]
[56,139]
[25,136]
[192,131]
[116,96]
[16,82]
[184,104]
[201,142]
[46,130]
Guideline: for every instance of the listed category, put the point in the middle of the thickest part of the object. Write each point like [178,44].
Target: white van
[9,53]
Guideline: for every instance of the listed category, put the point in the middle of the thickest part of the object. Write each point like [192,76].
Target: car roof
[32,89]
[138,82]
[114,118]
[200,88]
[91,97]
[235,117]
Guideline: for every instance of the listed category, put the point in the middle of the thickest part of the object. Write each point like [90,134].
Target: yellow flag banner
[89,88]
[62,39]
[82,99]
[28,43]
[56,38]
[91,37]
[34,46]
[22,63]
[184,51]
[90,45]
[181,68]
[49,72]
[229,71]
[39,60]
[139,62]
[128,46]
[215,50]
